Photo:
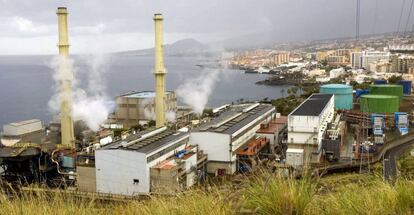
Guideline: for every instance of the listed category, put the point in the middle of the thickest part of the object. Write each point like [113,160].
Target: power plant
[330,129]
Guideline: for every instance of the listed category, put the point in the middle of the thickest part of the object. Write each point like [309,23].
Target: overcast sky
[29,26]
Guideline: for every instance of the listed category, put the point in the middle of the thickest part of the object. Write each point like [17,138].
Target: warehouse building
[125,167]
[224,135]
[139,107]
[306,127]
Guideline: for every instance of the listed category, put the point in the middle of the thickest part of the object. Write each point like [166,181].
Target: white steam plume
[195,92]
[92,107]
[170,116]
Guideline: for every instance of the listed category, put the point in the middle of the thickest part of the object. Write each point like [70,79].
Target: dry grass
[266,194]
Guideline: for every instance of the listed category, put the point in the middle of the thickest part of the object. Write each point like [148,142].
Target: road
[390,163]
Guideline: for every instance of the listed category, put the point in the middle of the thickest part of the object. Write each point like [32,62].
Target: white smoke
[90,106]
[147,106]
[170,116]
[196,91]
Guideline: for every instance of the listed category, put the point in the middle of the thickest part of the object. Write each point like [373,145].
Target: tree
[394,79]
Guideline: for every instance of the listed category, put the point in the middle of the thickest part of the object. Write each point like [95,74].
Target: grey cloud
[208,20]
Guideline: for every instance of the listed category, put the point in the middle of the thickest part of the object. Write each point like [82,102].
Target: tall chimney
[66,77]
[159,73]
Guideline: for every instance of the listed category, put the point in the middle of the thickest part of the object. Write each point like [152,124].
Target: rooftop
[26,122]
[146,141]
[271,129]
[143,94]
[235,118]
[253,146]
[313,106]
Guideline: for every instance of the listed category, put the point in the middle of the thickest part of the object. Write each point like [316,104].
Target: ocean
[27,85]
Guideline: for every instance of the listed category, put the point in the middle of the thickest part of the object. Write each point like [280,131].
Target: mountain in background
[183,47]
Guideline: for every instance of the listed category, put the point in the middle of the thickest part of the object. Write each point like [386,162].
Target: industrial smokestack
[65,88]
[159,73]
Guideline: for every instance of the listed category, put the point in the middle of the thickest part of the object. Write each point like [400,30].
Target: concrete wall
[86,177]
[117,169]
[129,110]
[213,166]
[215,145]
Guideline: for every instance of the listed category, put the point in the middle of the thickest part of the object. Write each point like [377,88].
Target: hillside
[185,47]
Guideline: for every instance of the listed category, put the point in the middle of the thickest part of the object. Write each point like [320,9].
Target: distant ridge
[179,48]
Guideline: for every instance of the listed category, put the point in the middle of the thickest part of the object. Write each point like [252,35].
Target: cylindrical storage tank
[387,89]
[406,86]
[379,104]
[379,81]
[343,95]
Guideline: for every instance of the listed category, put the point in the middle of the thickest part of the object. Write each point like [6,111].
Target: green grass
[264,194]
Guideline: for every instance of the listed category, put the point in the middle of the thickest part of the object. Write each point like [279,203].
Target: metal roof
[235,118]
[313,106]
[143,94]
[139,143]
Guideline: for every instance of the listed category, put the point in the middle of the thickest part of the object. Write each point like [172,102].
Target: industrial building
[306,127]
[139,107]
[223,136]
[251,154]
[133,166]
[276,131]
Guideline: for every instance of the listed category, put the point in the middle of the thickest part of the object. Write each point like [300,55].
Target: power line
[399,20]
[409,16]
[358,11]
[375,17]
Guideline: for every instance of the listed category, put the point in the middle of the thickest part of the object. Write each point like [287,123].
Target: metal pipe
[159,73]
[66,77]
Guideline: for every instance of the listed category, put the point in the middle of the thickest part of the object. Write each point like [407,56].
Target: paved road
[390,163]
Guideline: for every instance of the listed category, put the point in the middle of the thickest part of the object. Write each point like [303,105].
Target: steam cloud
[149,112]
[196,91]
[90,106]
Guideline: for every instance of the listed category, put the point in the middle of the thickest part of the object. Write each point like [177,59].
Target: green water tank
[379,103]
[387,89]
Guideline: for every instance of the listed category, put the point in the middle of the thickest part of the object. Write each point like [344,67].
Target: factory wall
[241,140]
[214,166]
[116,171]
[131,110]
[86,177]
[190,163]
[272,137]
[303,123]
[215,145]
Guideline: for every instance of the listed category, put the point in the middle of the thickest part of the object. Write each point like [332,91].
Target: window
[135,181]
